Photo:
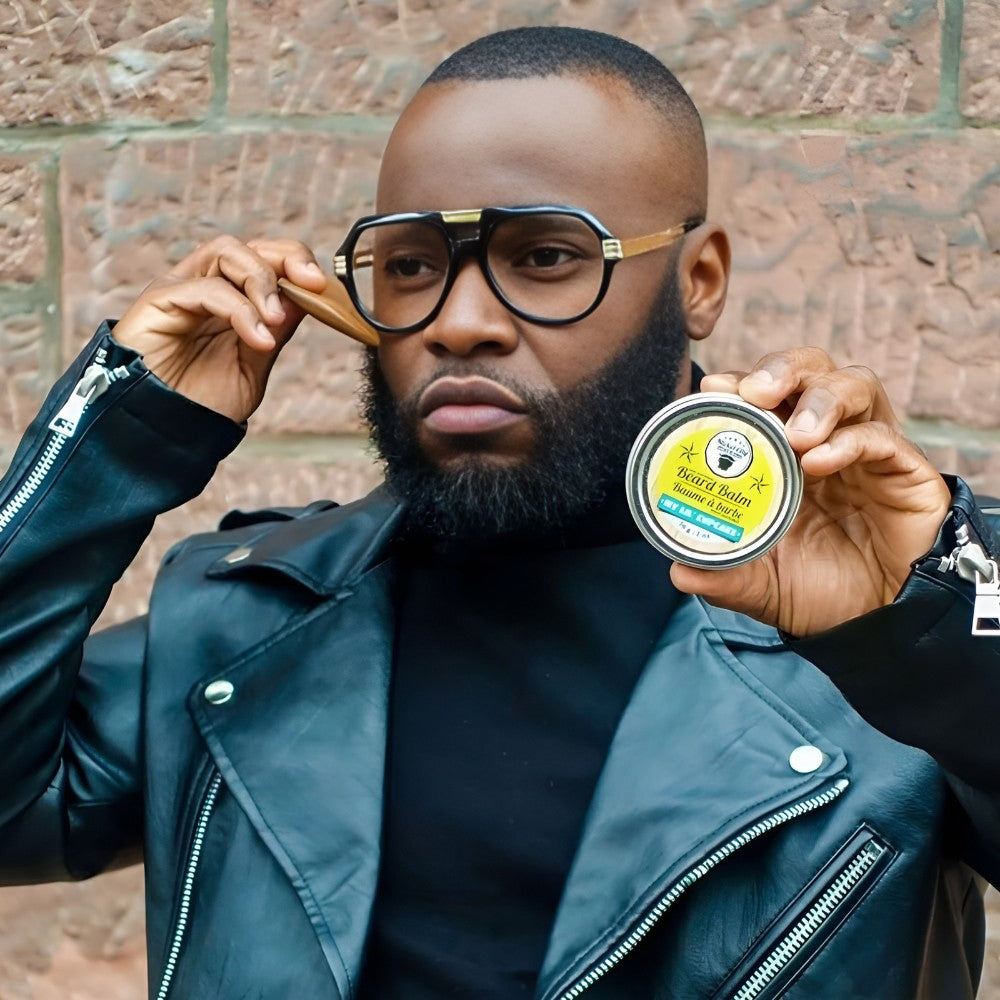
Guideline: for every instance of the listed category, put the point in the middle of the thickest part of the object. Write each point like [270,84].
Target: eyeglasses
[548,264]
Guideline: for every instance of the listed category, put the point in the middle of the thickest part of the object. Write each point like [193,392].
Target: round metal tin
[712,480]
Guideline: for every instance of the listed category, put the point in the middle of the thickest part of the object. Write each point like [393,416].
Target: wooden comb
[332,307]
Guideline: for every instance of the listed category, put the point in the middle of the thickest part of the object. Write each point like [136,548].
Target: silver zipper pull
[95,381]
[986,610]
[968,558]
[971,562]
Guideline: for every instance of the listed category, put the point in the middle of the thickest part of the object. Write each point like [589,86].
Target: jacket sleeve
[111,448]
[915,670]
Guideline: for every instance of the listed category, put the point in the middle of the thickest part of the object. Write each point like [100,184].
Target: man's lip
[474,405]
[475,391]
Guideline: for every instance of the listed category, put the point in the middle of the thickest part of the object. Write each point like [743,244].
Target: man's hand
[871,502]
[213,326]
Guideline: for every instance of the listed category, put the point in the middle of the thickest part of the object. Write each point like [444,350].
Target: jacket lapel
[701,754]
[301,743]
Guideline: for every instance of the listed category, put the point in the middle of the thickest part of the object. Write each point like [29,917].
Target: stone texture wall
[855,149]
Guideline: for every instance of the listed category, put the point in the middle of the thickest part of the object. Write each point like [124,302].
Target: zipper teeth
[33,481]
[40,470]
[192,867]
[692,876]
[810,922]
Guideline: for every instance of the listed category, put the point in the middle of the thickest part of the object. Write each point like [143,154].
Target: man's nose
[472,318]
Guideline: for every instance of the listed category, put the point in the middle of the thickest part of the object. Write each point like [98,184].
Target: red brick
[131,211]
[980,57]
[770,57]
[780,57]
[22,349]
[884,253]
[83,941]
[954,450]
[22,220]
[74,62]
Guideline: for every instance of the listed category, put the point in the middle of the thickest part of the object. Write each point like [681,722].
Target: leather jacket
[751,834]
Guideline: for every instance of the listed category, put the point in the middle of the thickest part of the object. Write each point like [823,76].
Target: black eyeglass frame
[614,250]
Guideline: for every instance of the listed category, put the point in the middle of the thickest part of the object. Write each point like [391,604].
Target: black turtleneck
[512,665]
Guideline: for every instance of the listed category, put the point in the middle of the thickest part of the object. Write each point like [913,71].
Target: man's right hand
[214,325]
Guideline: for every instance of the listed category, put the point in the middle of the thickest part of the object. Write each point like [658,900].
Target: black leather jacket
[751,834]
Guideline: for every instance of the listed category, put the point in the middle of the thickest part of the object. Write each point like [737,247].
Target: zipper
[693,875]
[184,911]
[815,919]
[94,383]
[969,560]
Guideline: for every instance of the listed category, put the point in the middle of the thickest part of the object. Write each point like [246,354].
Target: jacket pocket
[802,929]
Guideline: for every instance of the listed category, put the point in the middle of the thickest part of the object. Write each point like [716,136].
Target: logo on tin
[729,454]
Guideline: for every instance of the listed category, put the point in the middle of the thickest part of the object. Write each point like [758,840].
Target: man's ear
[703,275]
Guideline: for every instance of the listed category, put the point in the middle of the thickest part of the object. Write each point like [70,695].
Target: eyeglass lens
[548,265]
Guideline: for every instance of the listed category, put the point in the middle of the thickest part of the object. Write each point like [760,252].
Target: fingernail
[761,377]
[804,422]
[265,333]
[315,268]
[273,303]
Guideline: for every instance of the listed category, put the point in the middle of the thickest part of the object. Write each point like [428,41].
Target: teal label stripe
[724,529]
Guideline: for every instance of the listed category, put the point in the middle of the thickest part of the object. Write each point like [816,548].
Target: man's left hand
[871,501]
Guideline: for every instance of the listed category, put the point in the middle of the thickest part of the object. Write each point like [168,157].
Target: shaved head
[523,53]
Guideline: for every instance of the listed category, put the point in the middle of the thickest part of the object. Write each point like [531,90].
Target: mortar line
[51,359]
[219,61]
[19,138]
[321,448]
[939,432]
[949,93]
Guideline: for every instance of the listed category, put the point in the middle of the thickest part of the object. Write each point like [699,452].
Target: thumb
[742,588]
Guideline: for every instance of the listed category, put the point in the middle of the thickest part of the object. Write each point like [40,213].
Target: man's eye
[546,257]
[406,267]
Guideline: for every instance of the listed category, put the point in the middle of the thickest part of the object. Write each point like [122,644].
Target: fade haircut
[537,51]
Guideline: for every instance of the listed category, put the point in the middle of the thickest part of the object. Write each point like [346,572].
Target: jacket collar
[323,547]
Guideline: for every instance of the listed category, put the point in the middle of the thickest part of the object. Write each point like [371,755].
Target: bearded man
[472,736]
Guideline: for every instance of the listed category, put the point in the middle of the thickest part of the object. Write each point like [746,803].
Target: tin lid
[712,480]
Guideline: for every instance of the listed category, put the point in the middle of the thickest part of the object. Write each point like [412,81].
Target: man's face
[581,437]
[587,142]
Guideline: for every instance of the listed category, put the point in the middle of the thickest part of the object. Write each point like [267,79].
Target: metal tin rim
[663,423]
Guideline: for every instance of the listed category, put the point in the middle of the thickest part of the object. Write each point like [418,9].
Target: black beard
[582,441]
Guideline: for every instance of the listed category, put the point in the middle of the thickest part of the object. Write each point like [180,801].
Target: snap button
[806,759]
[237,555]
[218,692]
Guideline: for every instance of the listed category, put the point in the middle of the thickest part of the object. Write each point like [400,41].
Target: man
[469,737]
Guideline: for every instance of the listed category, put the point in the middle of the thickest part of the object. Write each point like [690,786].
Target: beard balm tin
[712,480]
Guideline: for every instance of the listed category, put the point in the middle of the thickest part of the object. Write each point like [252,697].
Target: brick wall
[855,148]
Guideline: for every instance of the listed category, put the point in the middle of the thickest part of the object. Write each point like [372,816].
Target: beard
[582,438]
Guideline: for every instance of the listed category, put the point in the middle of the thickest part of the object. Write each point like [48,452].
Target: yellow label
[715,484]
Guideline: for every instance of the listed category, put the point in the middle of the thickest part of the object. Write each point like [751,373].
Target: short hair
[535,51]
